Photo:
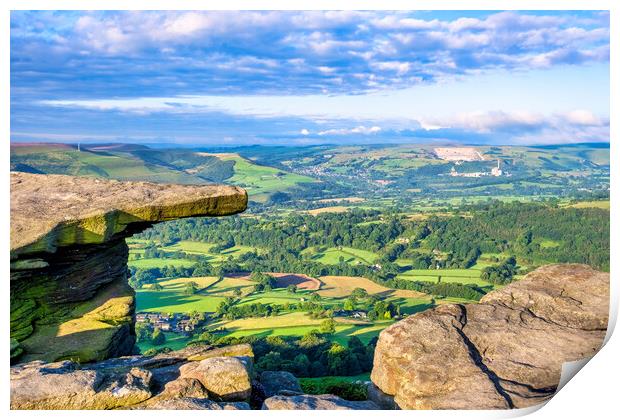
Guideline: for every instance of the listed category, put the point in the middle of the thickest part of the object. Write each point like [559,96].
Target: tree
[359,293]
[143,331]
[157,287]
[301,364]
[191,288]
[327,326]
[158,337]
[291,288]
[202,269]
[349,304]
[237,292]
[270,361]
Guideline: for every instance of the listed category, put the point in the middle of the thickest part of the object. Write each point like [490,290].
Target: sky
[295,78]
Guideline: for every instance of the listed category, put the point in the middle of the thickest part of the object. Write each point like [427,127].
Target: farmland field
[159,262]
[258,179]
[342,286]
[604,204]
[202,248]
[349,255]
[173,299]
[228,285]
[331,209]
[174,341]
[297,324]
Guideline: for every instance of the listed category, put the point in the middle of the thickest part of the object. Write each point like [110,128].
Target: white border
[592,395]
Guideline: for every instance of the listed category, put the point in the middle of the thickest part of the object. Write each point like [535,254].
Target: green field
[286,325]
[164,301]
[173,299]
[174,341]
[203,248]
[159,262]
[458,275]
[189,247]
[350,255]
[259,179]
[62,159]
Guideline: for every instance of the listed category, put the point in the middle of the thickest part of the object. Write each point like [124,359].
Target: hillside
[140,163]
[335,178]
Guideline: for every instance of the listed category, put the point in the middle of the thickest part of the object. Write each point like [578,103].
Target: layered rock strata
[69,293]
[505,352]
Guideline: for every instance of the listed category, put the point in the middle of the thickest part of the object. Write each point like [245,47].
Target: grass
[603,204]
[165,301]
[331,209]
[360,377]
[178,284]
[228,285]
[172,298]
[116,165]
[411,305]
[452,272]
[160,262]
[293,319]
[174,341]
[350,255]
[343,331]
[342,286]
[259,179]
[457,275]
[204,248]
[548,243]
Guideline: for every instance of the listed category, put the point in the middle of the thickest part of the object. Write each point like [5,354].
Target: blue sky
[268,77]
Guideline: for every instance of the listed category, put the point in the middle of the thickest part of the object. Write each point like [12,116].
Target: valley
[340,242]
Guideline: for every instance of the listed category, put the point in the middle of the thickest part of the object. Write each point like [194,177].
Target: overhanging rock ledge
[69,293]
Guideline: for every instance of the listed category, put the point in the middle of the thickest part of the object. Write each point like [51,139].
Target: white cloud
[346,131]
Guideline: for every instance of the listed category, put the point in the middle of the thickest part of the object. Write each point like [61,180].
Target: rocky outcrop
[64,386]
[505,352]
[315,402]
[138,382]
[225,378]
[196,378]
[69,292]
[279,383]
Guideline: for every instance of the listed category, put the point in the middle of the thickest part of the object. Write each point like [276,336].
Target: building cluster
[496,171]
[358,314]
[179,323]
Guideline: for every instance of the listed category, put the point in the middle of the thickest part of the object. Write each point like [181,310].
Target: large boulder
[63,386]
[69,294]
[505,352]
[279,383]
[315,402]
[225,378]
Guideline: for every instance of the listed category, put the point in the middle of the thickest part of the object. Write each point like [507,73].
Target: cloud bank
[307,76]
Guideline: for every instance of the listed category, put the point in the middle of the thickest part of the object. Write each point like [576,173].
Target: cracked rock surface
[505,352]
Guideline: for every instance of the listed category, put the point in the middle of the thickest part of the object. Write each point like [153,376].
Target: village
[182,323]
